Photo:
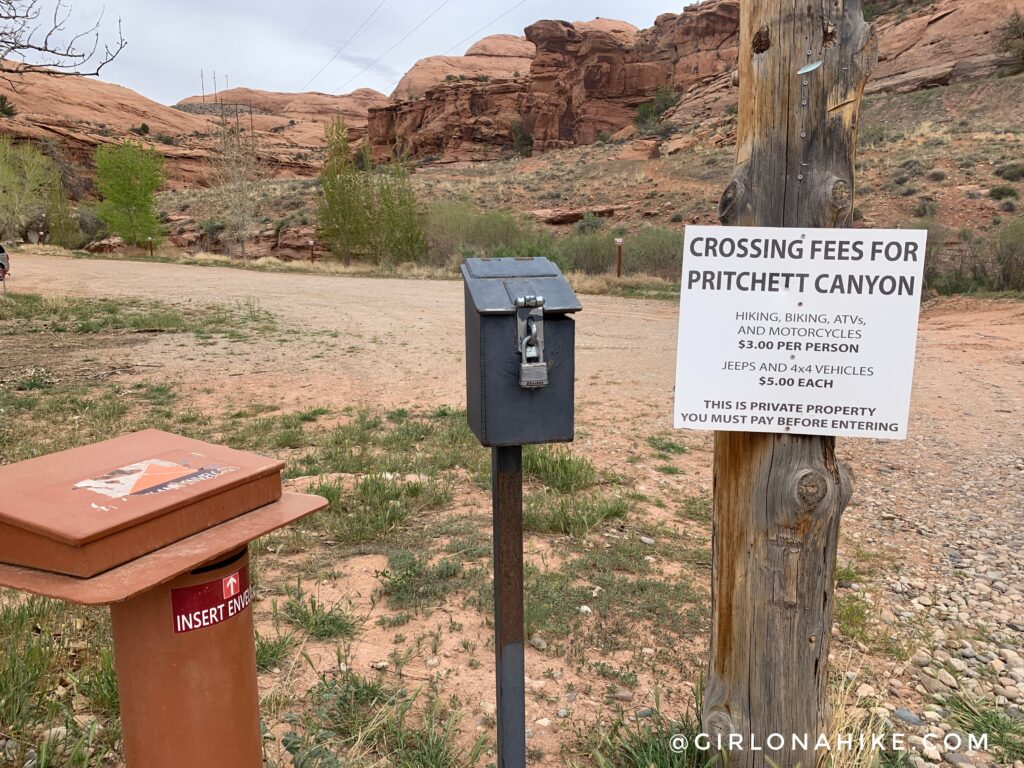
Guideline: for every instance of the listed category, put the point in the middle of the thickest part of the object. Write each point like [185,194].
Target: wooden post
[618,257]
[778,498]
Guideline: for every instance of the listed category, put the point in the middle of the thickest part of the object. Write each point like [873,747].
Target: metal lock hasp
[533,369]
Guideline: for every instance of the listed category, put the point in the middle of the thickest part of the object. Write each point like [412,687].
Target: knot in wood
[841,196]
[811,489]
[727,204]
[762,40]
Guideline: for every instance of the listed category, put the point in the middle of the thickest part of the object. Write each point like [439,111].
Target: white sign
[806,331]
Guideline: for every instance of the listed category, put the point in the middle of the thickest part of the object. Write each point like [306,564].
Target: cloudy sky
[334,46]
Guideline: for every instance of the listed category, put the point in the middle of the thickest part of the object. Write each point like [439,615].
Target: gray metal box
[520,351]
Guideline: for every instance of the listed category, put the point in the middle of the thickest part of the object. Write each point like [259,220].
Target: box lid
[495,284]
[84,494]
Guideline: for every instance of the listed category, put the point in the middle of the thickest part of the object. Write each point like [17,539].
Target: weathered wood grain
[779,498]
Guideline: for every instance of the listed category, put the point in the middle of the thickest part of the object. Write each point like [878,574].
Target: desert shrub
[1008,253]
[654,251]
[925,207]
[7,107]
[63,227]
[1011,172]
[140,130]
[1002,192]
[92,226]
[937,175]
[522,139]
[589,223]
[646,121]
[458,229]
[1010,40]
[128,176]
[875,134]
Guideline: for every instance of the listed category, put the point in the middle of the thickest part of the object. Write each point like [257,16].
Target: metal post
[507,501]
[150,241]
[618,257]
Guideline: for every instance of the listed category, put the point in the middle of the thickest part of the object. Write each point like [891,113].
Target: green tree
[342,210]
[366,211]
[128,175]
[27,180]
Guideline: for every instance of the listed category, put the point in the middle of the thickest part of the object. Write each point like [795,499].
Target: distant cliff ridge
[586,79]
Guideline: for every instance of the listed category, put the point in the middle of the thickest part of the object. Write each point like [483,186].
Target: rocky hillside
[298,117]
[82,113]
[587,80]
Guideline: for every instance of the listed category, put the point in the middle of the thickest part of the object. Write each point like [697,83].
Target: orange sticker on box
[152,476]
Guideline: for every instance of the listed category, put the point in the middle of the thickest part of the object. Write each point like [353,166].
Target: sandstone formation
[83,113]
[950,41]
[587,79]
[298,117]
[494,57]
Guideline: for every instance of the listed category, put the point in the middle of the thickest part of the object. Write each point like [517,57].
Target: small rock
[908,717]
[645,712]
[646,540]
[570,697]
[586,610]
[948,679]
[433,662]
[539,643]
[543,722]
[379,665]
[563,713]
[958,759]
[933,686]
[622,694]
[865,691]
[54,735]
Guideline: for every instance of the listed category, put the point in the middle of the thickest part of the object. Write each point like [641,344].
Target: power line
[405,37]
[297,40]
[485,26]
[344,45]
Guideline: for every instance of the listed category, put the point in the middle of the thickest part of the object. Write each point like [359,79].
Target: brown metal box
[84,511]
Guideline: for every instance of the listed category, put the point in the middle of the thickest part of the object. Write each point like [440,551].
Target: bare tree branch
[28,44]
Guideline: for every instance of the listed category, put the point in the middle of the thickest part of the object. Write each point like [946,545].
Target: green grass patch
[559,469]
[413,582]
[64,314]
[320,621]
[376,506]
[1005,734]
[666,445]
[574,515]
[698,508]
[271,652]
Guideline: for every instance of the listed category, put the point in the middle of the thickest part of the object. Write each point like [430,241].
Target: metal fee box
[520,351]
[87,510]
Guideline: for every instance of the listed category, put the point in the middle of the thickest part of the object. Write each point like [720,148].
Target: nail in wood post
[778,498]
[507,500]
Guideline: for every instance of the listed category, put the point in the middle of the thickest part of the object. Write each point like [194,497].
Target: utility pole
[202,83]
[803,65]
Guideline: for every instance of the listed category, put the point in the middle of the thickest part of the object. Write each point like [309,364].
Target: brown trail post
[779,498]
